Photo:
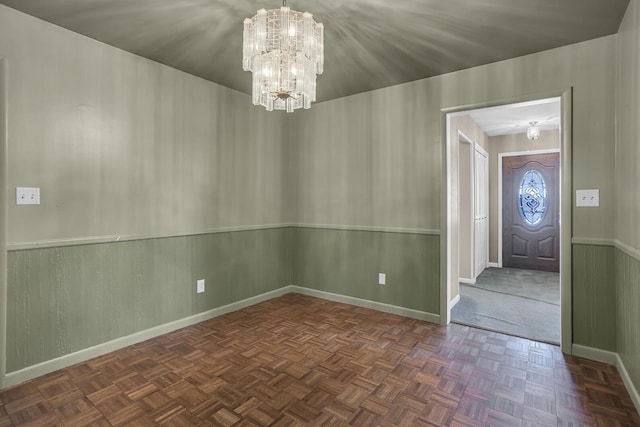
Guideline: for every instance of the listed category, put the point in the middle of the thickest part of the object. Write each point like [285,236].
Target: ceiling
[516,118]
[369,44]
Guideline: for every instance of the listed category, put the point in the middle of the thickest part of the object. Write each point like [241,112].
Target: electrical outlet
[200,286]
[382,279]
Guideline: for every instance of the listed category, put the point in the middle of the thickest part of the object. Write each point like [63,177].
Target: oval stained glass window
[532,197]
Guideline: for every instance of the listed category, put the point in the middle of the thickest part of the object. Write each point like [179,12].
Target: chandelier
[284,50]
[533,131]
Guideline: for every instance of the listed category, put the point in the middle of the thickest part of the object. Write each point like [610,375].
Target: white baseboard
[386,308]
[454,301]
[61,362]
[626,379]
[44,368]
[612,359]
[467,281]
[596,354]
[494,265]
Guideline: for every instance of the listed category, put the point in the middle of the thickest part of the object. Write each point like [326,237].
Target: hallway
[524,303]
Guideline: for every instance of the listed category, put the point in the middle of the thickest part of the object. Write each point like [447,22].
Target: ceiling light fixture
[284,50]
[533,131]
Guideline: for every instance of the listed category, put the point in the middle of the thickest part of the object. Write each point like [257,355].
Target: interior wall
[549,139]
[373,161]
[150,179]
[627,176]
[124,147]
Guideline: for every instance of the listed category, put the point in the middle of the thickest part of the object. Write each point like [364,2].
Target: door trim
[4,174]
[566,136]
[464,139]
[500,157]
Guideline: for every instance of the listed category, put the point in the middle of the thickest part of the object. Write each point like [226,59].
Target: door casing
[3,220]
[566,138]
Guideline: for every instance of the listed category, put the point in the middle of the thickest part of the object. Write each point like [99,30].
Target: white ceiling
[516,118]
[369,44]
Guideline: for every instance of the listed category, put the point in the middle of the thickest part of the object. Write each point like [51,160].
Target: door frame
[4,204]
[464,139]
[566,142]
[516,154]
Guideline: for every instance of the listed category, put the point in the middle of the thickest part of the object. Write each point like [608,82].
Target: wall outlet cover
[588,198]
[382,279]
[27,196]
[200,286]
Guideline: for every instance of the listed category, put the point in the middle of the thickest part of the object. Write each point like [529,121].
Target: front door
[531,212]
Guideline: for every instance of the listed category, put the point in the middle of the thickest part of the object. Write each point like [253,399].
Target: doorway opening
[508,256]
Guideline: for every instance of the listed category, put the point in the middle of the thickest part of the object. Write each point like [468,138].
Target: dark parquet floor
[298,360]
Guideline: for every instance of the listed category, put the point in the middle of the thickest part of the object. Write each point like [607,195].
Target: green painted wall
[347,262]
[627,147]
[126,148]
[69,298]
[627,177]
[123,146]
[594,296]
[628,313]
[375,159]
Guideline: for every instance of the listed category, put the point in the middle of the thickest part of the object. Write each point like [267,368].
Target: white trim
[493,265]
[594,241]
[43,368]
[19,246]
[401,230]
[626,379]
[596,354]
[464,139]
[4,138]
[629,250]
[445,223]
[467,281]
[123,238]
[454,301]
[379,306]
[481,150]
[499,216]
[610,358]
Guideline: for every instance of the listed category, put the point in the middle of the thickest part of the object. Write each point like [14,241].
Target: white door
[481,210]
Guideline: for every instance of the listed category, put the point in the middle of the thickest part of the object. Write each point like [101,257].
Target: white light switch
[27,196]
[382,279]
[587,198]
[200,286]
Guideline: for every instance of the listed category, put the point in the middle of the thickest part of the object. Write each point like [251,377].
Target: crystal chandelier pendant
[284,50]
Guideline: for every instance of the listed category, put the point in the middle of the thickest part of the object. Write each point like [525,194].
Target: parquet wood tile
[303,361]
